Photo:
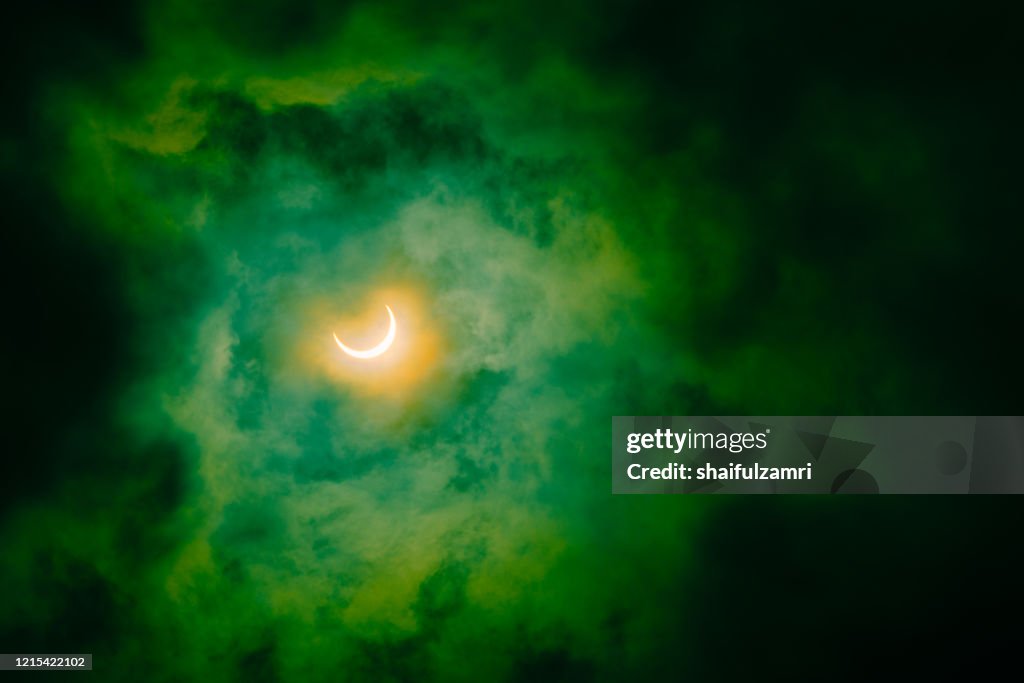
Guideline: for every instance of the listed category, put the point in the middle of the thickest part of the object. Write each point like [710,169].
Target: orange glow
[411,358]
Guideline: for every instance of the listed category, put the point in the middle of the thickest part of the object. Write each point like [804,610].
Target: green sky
[584,211]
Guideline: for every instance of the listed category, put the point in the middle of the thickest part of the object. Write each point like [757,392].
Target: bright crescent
[380,348]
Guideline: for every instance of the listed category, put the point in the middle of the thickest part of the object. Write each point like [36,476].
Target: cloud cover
[637,211]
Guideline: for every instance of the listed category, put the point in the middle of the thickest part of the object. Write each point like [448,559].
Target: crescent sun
[380,348]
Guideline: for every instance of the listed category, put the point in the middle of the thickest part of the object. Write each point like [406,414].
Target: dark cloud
[633,209]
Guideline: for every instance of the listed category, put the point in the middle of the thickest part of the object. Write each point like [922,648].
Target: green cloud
[587,214]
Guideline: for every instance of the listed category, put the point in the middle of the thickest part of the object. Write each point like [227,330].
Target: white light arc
[380,348]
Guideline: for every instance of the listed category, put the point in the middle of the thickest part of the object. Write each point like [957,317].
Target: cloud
[383,515]
[576,213]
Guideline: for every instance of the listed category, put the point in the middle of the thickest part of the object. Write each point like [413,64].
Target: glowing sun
[379,348]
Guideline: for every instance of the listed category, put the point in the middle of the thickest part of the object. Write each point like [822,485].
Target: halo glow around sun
[400,366]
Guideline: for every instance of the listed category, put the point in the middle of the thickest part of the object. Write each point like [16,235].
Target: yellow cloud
[321,88]
[172,128]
